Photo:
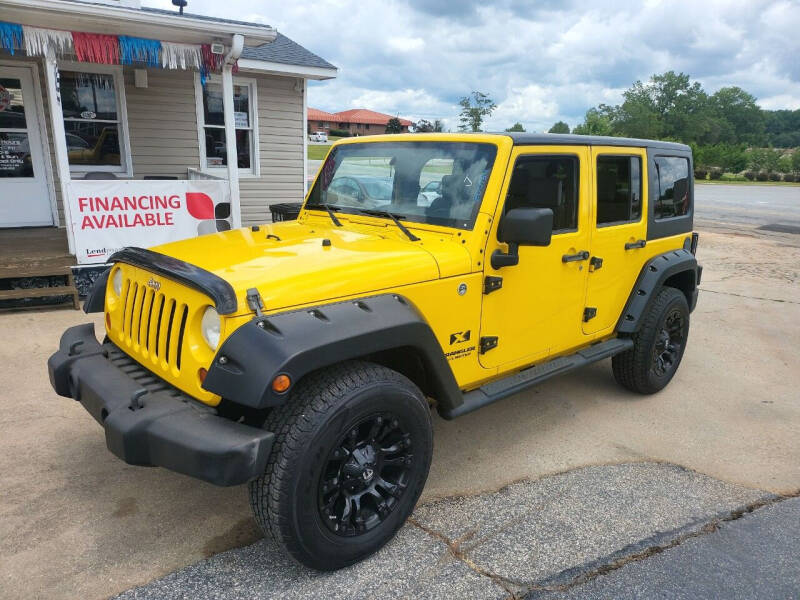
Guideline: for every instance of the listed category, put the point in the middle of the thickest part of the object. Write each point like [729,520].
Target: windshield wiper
[395,218]
[329,210]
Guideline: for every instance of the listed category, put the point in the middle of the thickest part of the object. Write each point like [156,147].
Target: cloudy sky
[541,61]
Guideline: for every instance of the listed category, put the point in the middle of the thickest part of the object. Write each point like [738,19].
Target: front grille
[153,323]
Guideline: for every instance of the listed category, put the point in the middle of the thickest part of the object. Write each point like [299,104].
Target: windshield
[441,183]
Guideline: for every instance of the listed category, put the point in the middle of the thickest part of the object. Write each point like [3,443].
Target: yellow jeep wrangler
[303,357]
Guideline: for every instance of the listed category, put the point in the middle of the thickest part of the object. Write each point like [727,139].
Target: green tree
[474,109]
[394,126]
[559,127]
[423,126]
[438,126]
[763,159]
[796,161]
[738,109]
[516,127]
[598,121]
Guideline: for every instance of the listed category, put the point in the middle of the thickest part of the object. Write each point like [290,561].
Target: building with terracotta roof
[357,121]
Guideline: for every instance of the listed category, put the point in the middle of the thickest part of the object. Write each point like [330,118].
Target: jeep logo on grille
[152,283]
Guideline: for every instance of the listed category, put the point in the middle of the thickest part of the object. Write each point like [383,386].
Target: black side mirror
[522,227]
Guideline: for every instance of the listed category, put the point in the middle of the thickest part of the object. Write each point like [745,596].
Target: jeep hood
[295,264]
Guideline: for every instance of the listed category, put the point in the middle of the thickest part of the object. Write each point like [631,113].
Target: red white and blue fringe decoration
[111,49]
[134,50]
[185,56]
[96,48]
[46,42]
[10,36]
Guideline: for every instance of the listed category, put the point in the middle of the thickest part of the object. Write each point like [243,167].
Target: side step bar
[497,390]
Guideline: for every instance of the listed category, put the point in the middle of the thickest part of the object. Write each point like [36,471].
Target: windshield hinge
[589,313]
[255,302]
[488,342]
[492,284]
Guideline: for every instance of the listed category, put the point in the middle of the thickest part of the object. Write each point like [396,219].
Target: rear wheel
[658,346]
[352,452]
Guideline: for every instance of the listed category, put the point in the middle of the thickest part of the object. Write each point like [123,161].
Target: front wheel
[658,346]
[352,451]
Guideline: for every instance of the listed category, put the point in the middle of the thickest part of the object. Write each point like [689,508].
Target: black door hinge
[492,284]
[487,343]
[589,313]
[595,263]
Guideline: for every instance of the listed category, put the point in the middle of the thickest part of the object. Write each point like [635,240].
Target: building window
[673,193]
[619,189]
[93,108]
[547,182]
[211,122]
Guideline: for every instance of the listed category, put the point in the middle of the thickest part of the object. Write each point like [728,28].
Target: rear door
[539,307]
[618,233]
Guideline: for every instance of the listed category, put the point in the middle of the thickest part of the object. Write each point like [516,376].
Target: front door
[24,195]
[538,310]
[619,232]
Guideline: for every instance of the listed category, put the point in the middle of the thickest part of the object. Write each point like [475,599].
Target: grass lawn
[317,151]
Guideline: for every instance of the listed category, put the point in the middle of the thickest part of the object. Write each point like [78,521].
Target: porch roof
[75,15]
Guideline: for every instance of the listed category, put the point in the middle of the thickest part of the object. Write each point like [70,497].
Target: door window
[547,182]
[619,189]
[672,176]
[15,152]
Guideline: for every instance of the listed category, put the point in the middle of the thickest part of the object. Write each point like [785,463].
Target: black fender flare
[96,298]
[651,278]
[298,342]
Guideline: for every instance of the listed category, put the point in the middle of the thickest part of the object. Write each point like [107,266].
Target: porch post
[230,145]
[305,138]
[59,141]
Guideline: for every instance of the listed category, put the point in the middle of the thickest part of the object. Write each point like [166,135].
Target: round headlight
[117,282]
[210,327]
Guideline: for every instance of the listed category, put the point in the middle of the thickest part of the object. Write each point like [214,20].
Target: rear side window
[619,189]
[673,196]
[547,182]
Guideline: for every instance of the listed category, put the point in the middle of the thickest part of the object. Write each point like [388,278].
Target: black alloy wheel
[658,345]
[365,475]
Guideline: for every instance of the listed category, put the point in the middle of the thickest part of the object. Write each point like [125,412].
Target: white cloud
[540,62]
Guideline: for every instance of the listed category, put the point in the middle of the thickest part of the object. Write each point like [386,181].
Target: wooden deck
[36,252]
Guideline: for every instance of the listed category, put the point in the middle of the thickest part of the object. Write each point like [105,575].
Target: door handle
[636,244]
[582,255]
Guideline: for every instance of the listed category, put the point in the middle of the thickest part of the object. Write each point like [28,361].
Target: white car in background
[319,136]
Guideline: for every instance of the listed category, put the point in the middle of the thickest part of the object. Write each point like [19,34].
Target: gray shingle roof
[282,50]
[285,51]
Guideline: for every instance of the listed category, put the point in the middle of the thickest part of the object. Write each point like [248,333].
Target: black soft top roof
[533,139]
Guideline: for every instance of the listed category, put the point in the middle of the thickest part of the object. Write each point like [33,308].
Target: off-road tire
[634,369]
[325,405]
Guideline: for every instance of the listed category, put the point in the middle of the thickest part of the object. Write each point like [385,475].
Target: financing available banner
[107,215]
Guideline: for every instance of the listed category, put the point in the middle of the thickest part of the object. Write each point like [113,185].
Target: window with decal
[547,182]
[673,192]
[619,189]
[91,109]
[212,123]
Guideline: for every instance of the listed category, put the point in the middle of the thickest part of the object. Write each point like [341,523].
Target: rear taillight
[693,247]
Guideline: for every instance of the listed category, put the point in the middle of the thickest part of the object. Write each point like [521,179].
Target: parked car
[430,192]
[319,136]
[304,357]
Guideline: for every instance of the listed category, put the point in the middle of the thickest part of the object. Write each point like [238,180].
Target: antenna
[180,4]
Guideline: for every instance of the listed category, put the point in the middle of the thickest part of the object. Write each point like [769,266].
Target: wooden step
[40,292]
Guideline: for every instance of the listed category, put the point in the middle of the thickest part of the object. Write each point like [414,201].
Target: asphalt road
[748,205]
[752,557]
[548,534]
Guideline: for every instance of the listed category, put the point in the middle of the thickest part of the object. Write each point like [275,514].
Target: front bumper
[149,423]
